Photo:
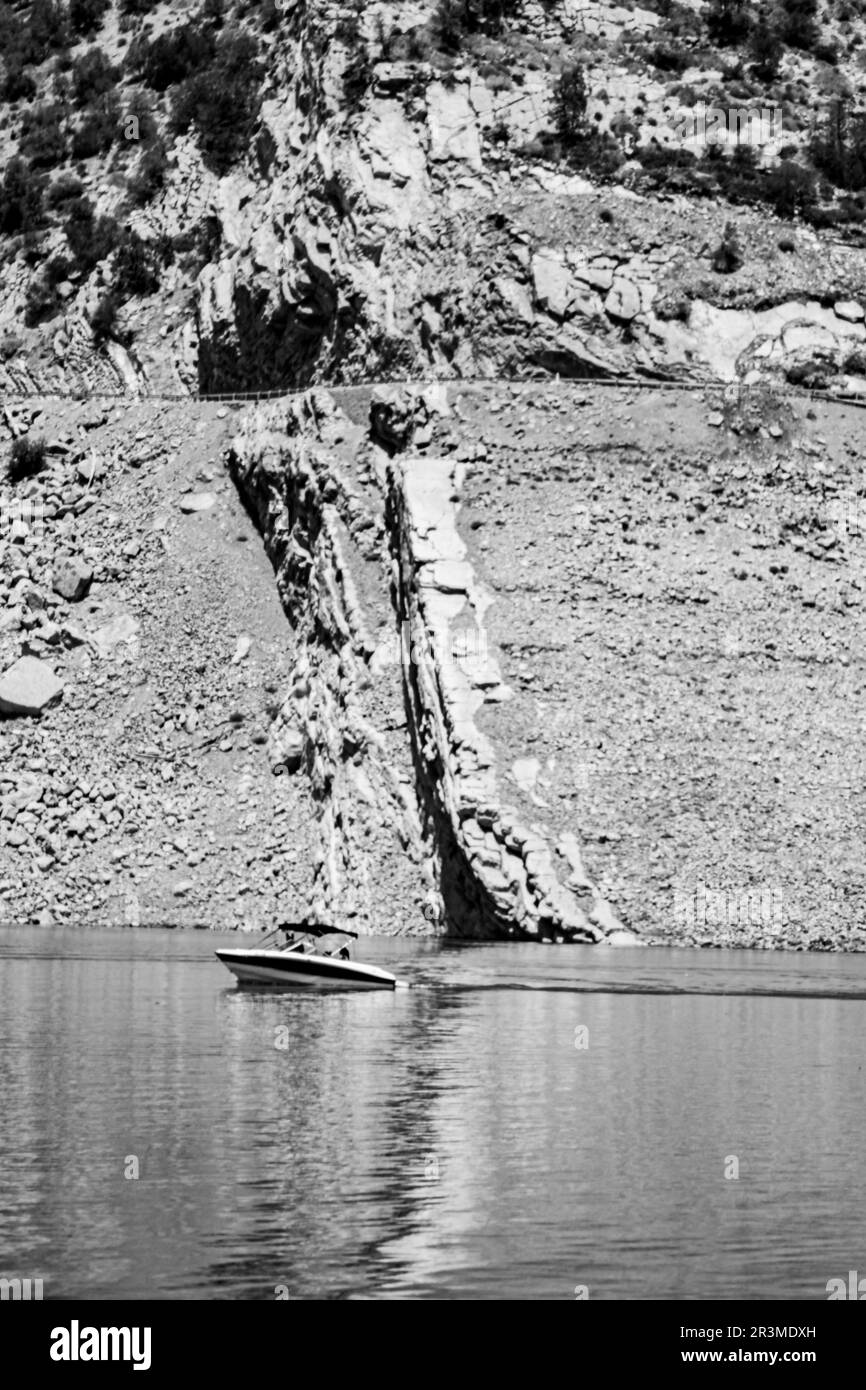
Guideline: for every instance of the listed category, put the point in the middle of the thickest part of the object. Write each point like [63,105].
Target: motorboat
[301,956]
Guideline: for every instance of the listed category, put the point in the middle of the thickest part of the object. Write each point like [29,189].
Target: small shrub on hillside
[86,16]
[41,302]
[728,255]
[197,245]
[27,457]
[798,23]
[737,175]
[63,190]
[674,308]
[19,84]
[27,39]
[149,177]
[727,21]
[135,271]
[839,150]
[32,248]
[766,48]
[172,57]
[103,321]
[58,269]
[454,19]
[222,103]
[846,214]
[90,238]
[659,158]
[92,76]
[447,25]
[569,104]
[48,27]
[43,141]
[826,52]
[597,152]
[12,34]
[21,197]
[669,57]
[98,131]
[790,188]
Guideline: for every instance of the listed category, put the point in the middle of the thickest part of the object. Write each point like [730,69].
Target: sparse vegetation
[99,130]
[86,16]
[43,139]
[149,178]
[790,188]
[135,269]
[172,57]
[221,102]
[727,21]
[839,150]
[766,48]
[798,23]
[21,197]
[454,19]
[103,321]
[569,105]
[728,255]
[90,238]
[670,57]
[92,76]
[64,190]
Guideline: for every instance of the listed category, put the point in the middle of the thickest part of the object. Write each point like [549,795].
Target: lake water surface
[521,1122]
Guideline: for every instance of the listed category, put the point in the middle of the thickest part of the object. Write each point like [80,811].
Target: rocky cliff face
[410,235]
[472,725]
[404,217]
[622,633]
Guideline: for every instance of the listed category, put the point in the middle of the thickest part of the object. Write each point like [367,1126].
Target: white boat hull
[293,970]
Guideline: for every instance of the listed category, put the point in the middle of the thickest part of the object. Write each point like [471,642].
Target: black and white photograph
[432,685]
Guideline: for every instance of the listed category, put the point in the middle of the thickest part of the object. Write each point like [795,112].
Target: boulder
[623,301]
[197,502]
[28,687]
[72,580]
[553,284]
[849,310]
[453,124]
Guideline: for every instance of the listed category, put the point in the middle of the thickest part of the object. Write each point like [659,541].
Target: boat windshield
[301,937]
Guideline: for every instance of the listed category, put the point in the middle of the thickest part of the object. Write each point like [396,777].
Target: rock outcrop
[373,576]
[404,238]
[28,687]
